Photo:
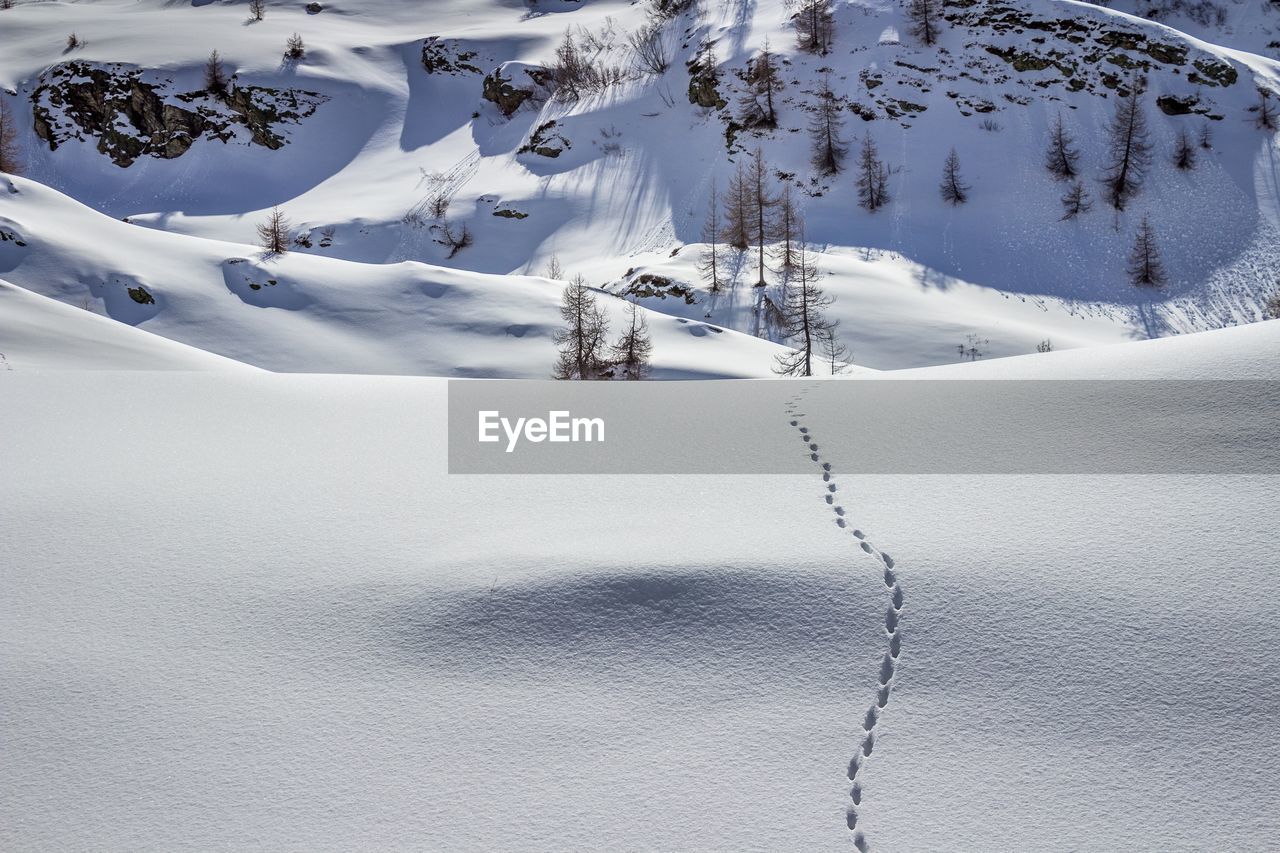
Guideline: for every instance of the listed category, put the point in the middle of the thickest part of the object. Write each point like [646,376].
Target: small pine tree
[829,149]
[554,270]
[1184,153]
[737,211]
[1045,346]
[1206,136]
[273,235]
[582,339]
[294,47]
[1145,267]
[1266,111]
[788,224]
[761,204]
[953,188]
[835,353]
[814,26]
[215,78]
[1273,307]
[73,42]
[1061,157]
[257,10]
[805,321]
[1130,149]
[10,156]
[873,177]
[1076,201]
[756,108]
[926,19]
[710,265]
[631,352]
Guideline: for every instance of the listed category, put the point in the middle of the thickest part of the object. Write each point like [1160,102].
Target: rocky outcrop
[447,56]
[546,141]
[131,116]
[505,94]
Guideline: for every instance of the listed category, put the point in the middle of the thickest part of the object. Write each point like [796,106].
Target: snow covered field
[247,607]
[247,610]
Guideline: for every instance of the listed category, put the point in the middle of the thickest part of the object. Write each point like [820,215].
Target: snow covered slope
[386,110]
[40,333]
[262,616]
[308,313]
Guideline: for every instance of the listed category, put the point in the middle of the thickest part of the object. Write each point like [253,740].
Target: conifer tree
[1206,136]
[1076,201]
[926,19]
[1145,266]
[757,105]
[711,266]
[805,320]
[761,202]
[834,352]
[273,235]
[953,188]
[1265,110]
[1184,153]
[737,210]
[1062,155]
[10,155]
[1130,149]
[215,78]
[631,352]
[582,340]
[789,223]
[814,26]
[873,177]
[829,149]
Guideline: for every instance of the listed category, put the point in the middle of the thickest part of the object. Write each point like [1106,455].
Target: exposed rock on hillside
[132,114]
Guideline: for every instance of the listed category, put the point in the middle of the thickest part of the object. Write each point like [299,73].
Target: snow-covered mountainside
[397,126]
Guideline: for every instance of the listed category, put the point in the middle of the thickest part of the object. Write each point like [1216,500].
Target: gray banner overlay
[865,426]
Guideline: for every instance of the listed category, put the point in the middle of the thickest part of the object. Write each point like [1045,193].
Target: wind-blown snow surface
[911,281]
[40,333]
[251,610]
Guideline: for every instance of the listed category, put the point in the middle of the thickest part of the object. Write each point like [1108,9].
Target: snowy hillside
[396,127]
[308,313]
[38,333]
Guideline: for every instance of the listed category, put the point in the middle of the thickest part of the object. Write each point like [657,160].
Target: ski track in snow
[892,623]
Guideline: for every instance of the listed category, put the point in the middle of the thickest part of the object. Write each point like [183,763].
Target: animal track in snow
[892,631]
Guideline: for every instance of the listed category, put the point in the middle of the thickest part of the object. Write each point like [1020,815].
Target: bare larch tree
[953,188]
[711,266]
[873,177]
[805,319]
[926,19]
[582,340]
[1076,201]
[1145,266]
[814,26]
[1062,155]
[10,155]
[829,148]
[1130,149]
[273,235]
[631,352]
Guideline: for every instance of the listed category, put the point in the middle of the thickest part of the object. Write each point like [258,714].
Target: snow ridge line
[892,625]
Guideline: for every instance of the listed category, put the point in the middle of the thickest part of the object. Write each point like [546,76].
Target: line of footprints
[893,632]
